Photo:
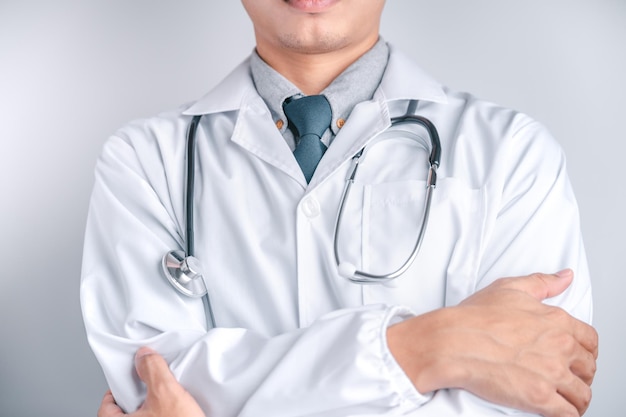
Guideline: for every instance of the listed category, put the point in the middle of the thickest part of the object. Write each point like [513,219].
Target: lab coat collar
[402,81]
[414,84]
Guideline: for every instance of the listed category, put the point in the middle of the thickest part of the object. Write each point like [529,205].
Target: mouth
[311,6]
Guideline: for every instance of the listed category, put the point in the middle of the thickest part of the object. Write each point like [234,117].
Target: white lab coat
[293,337]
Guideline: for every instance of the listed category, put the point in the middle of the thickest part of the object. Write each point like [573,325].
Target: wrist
[425,350]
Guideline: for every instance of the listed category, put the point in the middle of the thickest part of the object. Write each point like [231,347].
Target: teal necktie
[308,117]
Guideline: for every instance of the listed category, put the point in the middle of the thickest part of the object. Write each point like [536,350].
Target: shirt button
[311,207]
[340,123]
[279,124]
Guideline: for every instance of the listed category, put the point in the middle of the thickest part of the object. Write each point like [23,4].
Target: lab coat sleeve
[338,366]
[533,223]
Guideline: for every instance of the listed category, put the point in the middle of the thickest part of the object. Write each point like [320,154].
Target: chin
[314,45]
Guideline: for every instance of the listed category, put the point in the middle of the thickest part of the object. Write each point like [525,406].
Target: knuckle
[560,374]
[584,367]
[558,314]
[536,275]
[150,360]
[592,363]
[585,400]
[535,280]
[591,371]
[563,344]
[593,367]
[553,370]
[541,393]
[501,282]
[567,343]
[595,338]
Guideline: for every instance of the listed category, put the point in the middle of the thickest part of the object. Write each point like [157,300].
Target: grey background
[71,72]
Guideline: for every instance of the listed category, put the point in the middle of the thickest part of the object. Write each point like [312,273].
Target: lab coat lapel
[402,81]
[256,132]
[254,128]
[366,121]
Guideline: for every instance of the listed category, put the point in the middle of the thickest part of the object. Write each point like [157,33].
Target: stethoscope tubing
[189,191]
[189,204]
[361,277]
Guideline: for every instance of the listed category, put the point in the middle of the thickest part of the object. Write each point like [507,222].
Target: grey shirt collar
[356,84]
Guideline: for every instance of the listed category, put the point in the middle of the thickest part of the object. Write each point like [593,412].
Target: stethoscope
[184,271]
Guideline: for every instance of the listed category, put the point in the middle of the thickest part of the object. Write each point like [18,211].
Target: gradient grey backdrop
[71,72]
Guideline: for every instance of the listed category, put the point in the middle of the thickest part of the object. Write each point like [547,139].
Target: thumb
[542,286]
[152,368]
[165,396]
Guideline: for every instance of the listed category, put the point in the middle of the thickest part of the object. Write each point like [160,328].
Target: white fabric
[293,337]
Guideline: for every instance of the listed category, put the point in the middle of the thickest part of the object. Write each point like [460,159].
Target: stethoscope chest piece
[184,273]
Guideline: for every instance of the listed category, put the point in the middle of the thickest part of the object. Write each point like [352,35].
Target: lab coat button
[311,207]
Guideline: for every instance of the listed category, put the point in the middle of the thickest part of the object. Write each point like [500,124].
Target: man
[293,337]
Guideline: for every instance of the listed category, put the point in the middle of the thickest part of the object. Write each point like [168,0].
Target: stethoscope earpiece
[184,273]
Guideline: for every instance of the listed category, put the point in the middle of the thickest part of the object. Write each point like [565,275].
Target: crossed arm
[502,336]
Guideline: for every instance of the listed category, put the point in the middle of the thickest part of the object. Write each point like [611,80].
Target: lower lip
[311,6]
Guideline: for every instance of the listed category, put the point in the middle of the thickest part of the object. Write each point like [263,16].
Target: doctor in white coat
[292,336]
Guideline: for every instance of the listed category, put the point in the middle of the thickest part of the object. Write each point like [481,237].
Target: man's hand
[165,398]
[504,345]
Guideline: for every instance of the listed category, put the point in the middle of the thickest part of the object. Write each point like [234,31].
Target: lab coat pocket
[444,271]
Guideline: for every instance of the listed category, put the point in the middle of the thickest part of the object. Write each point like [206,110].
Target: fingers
[165,396]
[558,406]
[577,393]
[542,286]
[108,407]
[583,365]
[555,392]
[587,336]
[570,372]
[582,332]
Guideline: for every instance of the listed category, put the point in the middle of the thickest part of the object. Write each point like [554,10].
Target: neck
[312,72]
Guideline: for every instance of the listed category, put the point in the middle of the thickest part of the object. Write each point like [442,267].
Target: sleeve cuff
[409,395]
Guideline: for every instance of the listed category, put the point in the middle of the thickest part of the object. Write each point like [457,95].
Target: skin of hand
[504,345]
[165,397]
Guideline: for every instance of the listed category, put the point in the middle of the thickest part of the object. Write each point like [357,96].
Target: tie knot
[308,115]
